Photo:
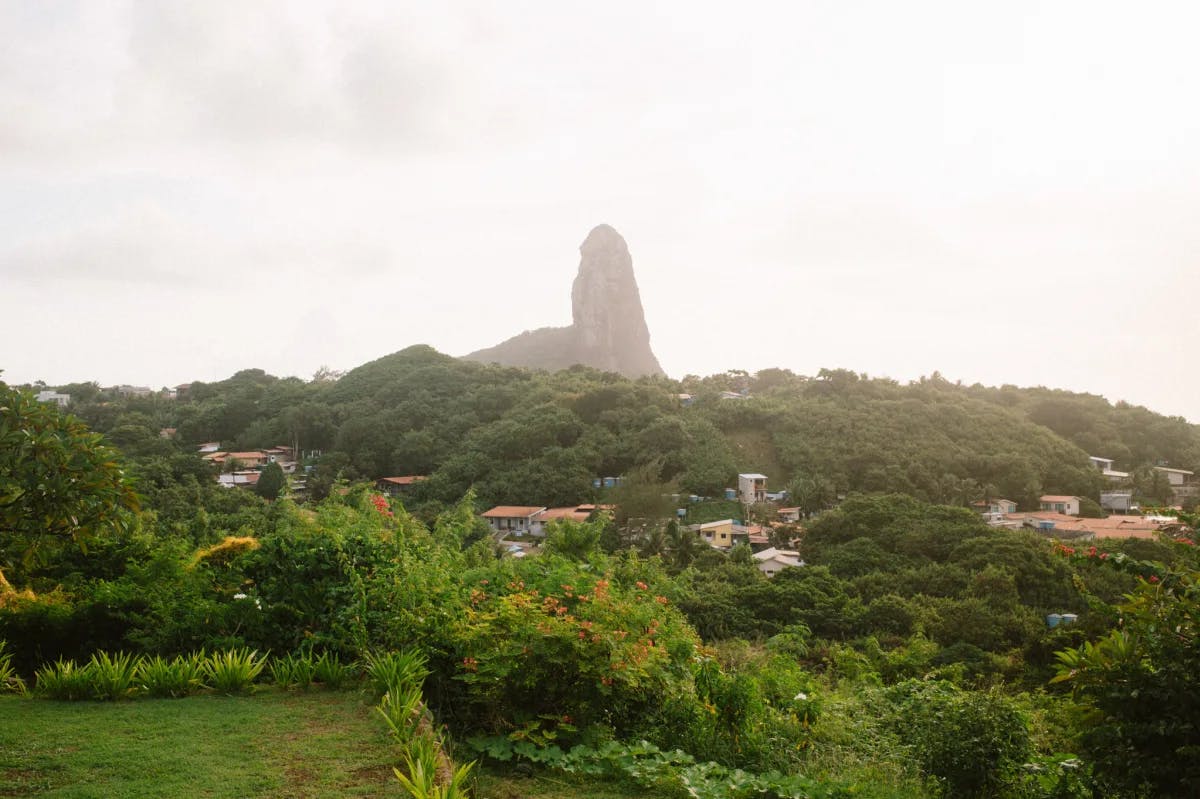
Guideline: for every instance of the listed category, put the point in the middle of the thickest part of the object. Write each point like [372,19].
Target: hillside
[520,436]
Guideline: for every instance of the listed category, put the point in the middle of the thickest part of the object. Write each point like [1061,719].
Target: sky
[1003,193]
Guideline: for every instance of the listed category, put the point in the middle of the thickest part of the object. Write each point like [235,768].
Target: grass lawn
[273,744]
[270,745]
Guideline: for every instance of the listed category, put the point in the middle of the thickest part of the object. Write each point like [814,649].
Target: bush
[10,681]
[331,672]
[182,676]
[233,671]
[113,676]
[294,671]
[64,680]
[970,743]
[387,671]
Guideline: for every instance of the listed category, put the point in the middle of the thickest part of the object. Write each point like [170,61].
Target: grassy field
[313,745]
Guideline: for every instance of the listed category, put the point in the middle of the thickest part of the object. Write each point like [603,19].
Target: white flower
[240,596]
[800,697]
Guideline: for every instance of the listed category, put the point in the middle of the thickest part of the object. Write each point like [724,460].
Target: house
[279,454]
[169,393]
[210,446]
[1117,501]
[575,513]
[167,432]
[685,400]
[516,519]
[757,536]
[789,515]
[987,506]
[238,479]
[395,486]
[1075,528]
[1105,465]
[752,488]
[734,395]
[61,400]
[718,534]
[771,561]
[249,460]
[1068,506]
[1176,477]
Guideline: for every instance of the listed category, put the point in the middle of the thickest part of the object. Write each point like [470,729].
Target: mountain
[608,329]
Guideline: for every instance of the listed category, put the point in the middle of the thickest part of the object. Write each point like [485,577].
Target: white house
[1176,477]
[771,560]
[518,519]
[1105,465]
[752,488]
[989,506]
[61,400]
[1068,506]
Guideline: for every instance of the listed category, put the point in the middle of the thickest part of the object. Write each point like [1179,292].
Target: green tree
[1140,686]
[270,482]
[59,482]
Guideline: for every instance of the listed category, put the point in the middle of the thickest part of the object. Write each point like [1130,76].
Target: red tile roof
[512,511]
[407,480]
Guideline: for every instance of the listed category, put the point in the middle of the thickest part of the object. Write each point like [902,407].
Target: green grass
[270,745]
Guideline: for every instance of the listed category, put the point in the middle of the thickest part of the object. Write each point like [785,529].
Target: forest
[910,657]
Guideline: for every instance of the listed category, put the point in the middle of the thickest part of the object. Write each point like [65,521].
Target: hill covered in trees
[522,436]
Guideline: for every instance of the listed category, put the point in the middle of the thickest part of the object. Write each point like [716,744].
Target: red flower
[642,585]
[1154,578]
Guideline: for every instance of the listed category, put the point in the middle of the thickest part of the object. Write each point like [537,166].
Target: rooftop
[512,511]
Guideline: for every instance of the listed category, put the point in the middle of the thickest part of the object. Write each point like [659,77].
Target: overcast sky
[1003,192]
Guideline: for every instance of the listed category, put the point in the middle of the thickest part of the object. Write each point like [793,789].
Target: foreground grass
[271,745]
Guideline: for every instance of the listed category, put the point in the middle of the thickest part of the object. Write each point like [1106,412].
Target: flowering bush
[574,650]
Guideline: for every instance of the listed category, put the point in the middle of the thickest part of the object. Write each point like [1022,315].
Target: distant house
[1117,501]
[1176,477]
[574,513]
[395,486]
[685,400]
[210,446]
[167,432]
[789,515]
[1075,528]
[245,460]
[734,395]
[169,393]
[1105,465]
[986,506]
[752,488]
[61,400]
[771,561]
[1068,506]
[279,454]
[238,479]
[718,534]
[518,519]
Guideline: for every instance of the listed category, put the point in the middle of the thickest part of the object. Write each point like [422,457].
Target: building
[789,515]
[132,391]
[1068,506]
[1176,477]
[515,519]
[1117,501]
[987,506]
[718,534]
[576,513]
[1074,528]
[209,447]
[771,561]
[395,486]
[752,488]
[238,479]
[61,400]
[1105,465]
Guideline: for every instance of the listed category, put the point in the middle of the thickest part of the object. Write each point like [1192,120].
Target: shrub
[10,681]
[64,680]
[390,670]
[331,672]
[294,671]
[161,678]
[112,677]
[233,671]
[971,743]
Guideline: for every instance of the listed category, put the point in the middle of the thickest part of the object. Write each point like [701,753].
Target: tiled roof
[512,511]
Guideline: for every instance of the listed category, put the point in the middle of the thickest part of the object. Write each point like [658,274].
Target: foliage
[59,482]
[271,482]
[297,670]
[10,680]
[233,671]
[388,669]
[971,743]
[1139,686]
[64,680]
[178,677]
[113,676]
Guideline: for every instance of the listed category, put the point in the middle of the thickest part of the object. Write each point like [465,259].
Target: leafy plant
[389,670]
[294,671]
[179,677]
[233,671]
[402,708]
[331,672]
[10,681]
[421,780]
[64,680]
[114,676]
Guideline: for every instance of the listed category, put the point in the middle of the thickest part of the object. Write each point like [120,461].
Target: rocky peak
[608,329]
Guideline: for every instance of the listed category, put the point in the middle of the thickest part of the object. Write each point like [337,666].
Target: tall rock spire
[608,329]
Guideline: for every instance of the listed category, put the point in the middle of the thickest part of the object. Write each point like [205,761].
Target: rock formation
[608,329]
